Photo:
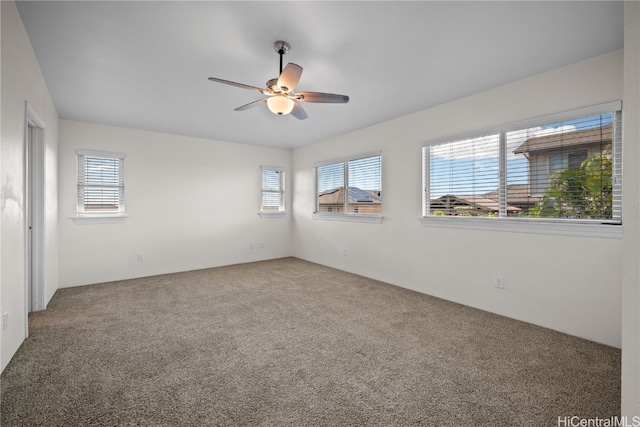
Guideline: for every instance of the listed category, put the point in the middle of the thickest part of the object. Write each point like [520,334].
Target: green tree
[584,192]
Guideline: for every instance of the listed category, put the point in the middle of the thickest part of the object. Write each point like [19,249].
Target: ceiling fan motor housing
[273,85]
[282,47]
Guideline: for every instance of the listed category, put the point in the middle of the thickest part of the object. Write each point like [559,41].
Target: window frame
[84,217]
[281,192]
[558,226]
[345,216]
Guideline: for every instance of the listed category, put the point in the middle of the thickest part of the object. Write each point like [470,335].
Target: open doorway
[34,212]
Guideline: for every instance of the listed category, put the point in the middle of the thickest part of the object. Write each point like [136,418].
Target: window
[557,162]
[461,171]
[272,190]
[566,167]
[351,188]
[561,161]
[100,183]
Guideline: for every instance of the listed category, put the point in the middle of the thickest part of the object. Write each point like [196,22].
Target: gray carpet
[291,343]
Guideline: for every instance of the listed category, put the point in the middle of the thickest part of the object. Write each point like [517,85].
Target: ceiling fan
[281,98]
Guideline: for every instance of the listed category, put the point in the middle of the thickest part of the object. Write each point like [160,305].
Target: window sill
[348,217]
[264,215]
[99,219]
[515,225]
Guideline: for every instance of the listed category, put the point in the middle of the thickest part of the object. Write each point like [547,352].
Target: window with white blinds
[351,187]
[460,172]
[564,169]
[100,183]
[272,190]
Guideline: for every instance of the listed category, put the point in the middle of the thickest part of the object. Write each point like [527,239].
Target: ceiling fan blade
[240,85]
[252,104]
[298,112]
[290,77]
[321,97]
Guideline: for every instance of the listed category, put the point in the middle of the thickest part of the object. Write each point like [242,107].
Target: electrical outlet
[140,257]
[499,283]
[261,245]
[5,321]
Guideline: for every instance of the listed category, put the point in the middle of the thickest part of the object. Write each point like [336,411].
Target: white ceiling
[145,64]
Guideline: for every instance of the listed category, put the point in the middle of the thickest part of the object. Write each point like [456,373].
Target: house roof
[481,202]
[516,194]
[356,195]
[600,134]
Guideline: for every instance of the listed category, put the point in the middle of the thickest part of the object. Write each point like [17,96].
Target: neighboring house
[518,195]
[467,205]
[360,201]
[552,153]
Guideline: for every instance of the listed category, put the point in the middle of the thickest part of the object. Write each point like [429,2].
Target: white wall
[22,81]
[571,284]
[631,214]
[191,203]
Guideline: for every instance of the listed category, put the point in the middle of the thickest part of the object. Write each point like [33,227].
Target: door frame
[34,150]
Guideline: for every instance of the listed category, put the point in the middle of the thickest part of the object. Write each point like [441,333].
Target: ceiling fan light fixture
[280,105]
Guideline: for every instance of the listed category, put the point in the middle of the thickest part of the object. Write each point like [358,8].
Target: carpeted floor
[291,343]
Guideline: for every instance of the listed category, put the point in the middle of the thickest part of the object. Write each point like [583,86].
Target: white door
[34,211]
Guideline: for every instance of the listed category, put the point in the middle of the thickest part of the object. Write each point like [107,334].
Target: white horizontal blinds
[330,188]
[463,177]
[569,167]
[524,178]
[100,183]
[426,183]
[563,169]
[364,194]
[616,209]
[272,190]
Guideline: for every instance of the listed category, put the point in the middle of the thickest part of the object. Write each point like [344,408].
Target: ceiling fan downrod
[282,48]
